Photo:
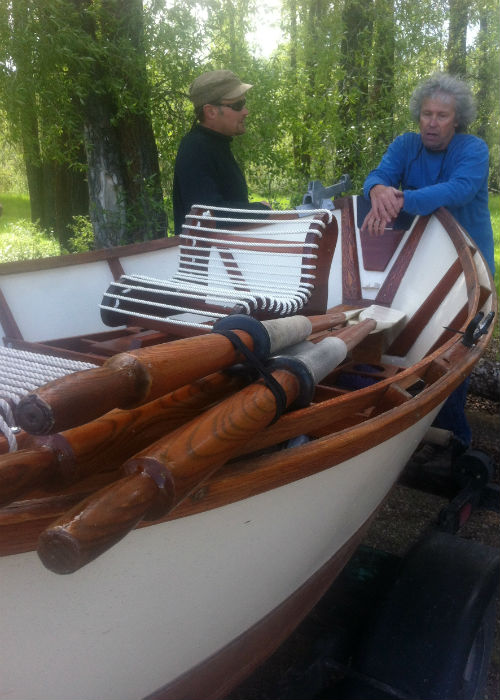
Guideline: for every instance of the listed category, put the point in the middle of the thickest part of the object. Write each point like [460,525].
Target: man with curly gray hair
[442,166]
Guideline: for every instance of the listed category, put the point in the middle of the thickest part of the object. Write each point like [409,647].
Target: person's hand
[387,202]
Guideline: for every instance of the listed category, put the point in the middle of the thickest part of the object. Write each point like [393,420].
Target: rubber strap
[252,359]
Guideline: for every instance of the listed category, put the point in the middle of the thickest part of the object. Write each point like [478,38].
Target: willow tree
[457,37]
[74,77]
[358,18]
[126,201]
[34,95]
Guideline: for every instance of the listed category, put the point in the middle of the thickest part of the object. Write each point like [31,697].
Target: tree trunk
[382,92]
[71,198]
[126,200]
[107,193]
[27,112]
[457,37]
[354,112]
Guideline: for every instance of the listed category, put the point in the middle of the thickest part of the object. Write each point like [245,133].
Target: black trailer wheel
[431,638]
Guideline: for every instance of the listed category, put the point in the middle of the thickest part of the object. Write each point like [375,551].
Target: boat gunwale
[57,261]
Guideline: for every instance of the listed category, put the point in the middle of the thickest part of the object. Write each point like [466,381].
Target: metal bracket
[319,197]
[475,329]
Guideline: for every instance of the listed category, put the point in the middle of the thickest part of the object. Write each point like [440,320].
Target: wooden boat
[189,604]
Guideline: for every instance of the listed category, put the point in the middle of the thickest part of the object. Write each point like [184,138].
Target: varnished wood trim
[412,330]
[351,281]
[9,268]
[22,522]
[389,288]
[465,253]
[9,325]
[326,247]
[116,268]
[217,676]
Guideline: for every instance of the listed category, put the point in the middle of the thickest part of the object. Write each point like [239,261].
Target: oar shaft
[129,379]
[125,381]
[21,470]
[105,443]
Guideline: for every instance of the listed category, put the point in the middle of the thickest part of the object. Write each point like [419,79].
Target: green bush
[24,240]
[82,235]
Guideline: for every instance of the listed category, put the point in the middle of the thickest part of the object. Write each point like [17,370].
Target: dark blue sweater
[206,172]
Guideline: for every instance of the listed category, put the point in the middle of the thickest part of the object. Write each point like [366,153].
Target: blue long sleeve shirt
[456,178]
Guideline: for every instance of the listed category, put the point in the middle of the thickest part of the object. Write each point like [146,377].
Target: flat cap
[216,85]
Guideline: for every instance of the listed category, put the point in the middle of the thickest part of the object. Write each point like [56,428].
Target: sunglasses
[235,106]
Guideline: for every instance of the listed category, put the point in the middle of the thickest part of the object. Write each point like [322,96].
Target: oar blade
[384,316]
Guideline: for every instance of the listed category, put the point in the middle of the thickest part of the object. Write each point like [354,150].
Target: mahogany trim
[351,279]
[388,290]
[377,251]
[7,320]
[9,268]
[215,677]
[22,522]
[116,268]
[465,253]
[402,344]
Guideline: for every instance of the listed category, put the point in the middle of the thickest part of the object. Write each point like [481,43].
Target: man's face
[227,121]
[437,122]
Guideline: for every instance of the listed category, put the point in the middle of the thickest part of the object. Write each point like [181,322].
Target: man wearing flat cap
[206,171]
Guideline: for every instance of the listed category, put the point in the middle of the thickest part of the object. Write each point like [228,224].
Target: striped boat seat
[231,261]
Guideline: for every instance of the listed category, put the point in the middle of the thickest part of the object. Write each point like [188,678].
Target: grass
[495,221]
[15,207]
[20,239]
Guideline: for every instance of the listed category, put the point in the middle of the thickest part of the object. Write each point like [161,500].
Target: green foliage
[12,174]
[24,240]
[328,99]
[494,204]
[15,207]
[81,235]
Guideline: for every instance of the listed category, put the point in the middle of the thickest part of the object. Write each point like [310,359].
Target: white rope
[267,273]
[267,213]
[22,371]
[6,424]
[251,244]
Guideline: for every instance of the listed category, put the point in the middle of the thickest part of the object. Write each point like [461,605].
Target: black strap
[252,359]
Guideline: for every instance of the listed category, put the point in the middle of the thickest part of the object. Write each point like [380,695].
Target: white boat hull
[205,587]
[125,625]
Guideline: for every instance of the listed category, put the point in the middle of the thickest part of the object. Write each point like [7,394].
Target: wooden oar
[105,443]
[132,378]
[161,476]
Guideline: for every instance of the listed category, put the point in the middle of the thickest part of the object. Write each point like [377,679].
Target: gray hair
[442,84]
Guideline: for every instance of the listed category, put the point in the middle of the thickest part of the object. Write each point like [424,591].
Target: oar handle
[21,470]
[129,379]
[161,476]
[105,443]
[97,523]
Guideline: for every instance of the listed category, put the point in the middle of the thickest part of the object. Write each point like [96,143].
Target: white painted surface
[170,595]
